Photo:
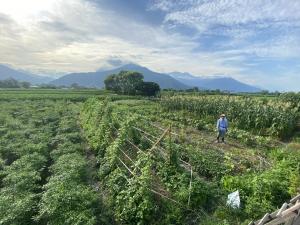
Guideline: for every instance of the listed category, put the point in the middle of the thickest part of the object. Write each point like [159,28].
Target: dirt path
[92,173]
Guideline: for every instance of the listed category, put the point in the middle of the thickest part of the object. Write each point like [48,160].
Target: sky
[253,41]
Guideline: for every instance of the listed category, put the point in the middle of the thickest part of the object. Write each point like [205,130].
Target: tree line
[12,83]
[131,83]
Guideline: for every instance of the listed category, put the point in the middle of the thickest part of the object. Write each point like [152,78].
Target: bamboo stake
[138,129]
[127,156]
[190,187]
[293,200]
[156,192]
[134,145]
[283,207]
[148,139]
[286,214]
[159,147]
[160,138]
[154,125]
[126,167]
[264,219]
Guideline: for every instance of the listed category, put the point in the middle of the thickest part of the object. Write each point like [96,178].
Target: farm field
[91,157]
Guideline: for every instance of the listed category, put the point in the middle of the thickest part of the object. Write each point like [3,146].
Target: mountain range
[7,72]
[175,80]
[96,79]
[214,83]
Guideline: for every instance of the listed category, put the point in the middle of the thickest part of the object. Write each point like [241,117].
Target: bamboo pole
[138,129]
[286,214]
[154,125]
[160,139]
[190,187]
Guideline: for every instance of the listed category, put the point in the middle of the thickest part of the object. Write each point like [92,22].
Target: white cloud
[269,28]
[24,11]
[229,12]
[75,35]
[283,47]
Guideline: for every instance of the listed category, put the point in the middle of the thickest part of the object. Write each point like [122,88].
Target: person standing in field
[222,127]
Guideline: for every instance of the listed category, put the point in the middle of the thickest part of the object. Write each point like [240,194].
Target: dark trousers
[221,134]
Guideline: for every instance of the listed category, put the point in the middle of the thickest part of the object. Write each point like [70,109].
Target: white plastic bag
[233,199]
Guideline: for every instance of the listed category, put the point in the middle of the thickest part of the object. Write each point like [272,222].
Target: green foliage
[130,83]
[273,118]
[293,98]
[131,193]
[97,112]
[135,203]
[125,82]
[148,89]
[17,208]
[19,198]
[67,199]
[208,163]
[24,173]
[65,147]
[73,95]
[225,215]
[265,191]
[46,177]
[43,171]
[12,83]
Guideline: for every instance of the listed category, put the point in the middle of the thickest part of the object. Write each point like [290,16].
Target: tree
[130,83]
[25,84]
[48,86]
[75,86]
[12,83]
[194,89]
[149,88]
[9,83]
[125,82]
[109,82]
[264,92]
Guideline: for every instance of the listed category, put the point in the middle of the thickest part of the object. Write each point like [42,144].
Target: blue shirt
[222,123]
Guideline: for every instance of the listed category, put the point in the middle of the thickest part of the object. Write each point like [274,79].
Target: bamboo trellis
[288,214]
[155,145]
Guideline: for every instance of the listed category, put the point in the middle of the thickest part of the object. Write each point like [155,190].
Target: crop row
[43,166]
[145,187]
[24,151]
[67,196]
[261,117]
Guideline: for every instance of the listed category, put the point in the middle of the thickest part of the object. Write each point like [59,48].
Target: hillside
[96,79]
[7,72]
[213,83]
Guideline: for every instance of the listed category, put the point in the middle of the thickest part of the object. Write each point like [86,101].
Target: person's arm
[218,124]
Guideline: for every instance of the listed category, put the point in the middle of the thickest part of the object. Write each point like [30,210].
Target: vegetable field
[90,157]
[43,165]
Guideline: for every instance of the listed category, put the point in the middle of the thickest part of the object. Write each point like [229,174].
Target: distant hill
[7,72]
[96,79]
[213,83]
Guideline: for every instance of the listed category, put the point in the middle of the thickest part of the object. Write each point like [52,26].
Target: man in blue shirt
[222,127]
